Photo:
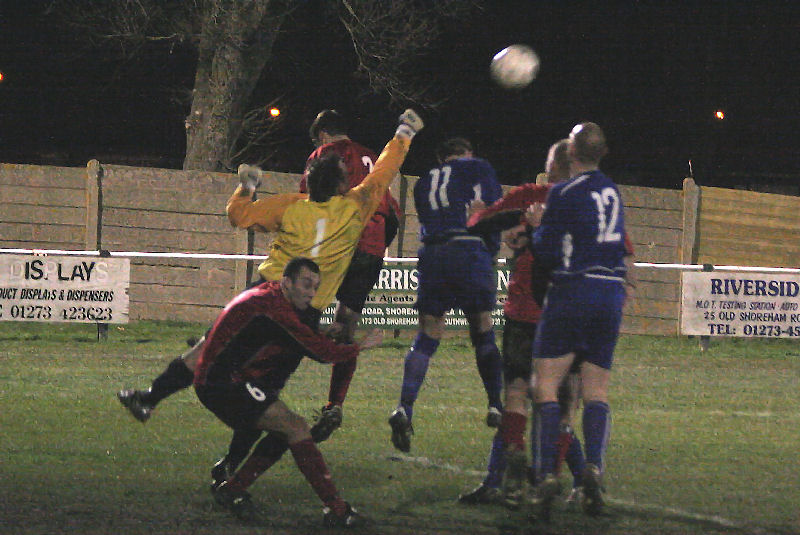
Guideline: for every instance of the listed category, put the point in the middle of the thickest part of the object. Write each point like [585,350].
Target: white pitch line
[713,519]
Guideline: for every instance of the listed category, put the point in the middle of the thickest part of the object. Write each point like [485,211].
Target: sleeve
[317,346]
[264,214]
[546,238]
[628,245]
[518,198]
[370,192]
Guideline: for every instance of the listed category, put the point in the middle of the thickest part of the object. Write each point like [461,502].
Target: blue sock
[416,366]
[596,428]
[575,460]
[532,471]
[497,462]
[548,420]
[490,366]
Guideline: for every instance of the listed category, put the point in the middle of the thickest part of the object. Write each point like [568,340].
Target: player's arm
[501,214]
[547,236]
[264,214]
[631,275]
[370,192]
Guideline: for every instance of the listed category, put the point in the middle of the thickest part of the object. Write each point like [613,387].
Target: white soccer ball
[515,67]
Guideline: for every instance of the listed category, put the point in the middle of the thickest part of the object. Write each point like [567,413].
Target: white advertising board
[64,288]
[716,303]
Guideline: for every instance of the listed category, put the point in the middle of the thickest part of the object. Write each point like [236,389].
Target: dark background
[652,74]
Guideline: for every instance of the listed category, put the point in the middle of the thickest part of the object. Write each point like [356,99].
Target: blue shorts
[582,316]
[458,273]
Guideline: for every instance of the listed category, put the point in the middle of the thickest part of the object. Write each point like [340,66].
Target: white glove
[250,176]
[410,124]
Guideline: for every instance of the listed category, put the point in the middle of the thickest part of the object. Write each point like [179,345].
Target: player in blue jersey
[581,239]
[455,271]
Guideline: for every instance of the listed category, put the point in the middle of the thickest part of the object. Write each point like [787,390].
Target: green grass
[701,442]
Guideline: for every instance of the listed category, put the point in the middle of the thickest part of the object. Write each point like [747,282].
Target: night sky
[652,74]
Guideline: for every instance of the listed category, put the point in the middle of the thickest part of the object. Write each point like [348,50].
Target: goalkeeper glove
[410,124]
[250,176]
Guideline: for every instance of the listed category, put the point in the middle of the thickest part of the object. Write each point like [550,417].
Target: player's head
[330,122]
[300,281]
[557,166]
[326,176]
[455,147]
[587,144]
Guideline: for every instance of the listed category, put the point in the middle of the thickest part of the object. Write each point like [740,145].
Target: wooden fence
[123,208]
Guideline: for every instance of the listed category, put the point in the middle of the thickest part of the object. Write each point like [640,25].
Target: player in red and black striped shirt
[256,343]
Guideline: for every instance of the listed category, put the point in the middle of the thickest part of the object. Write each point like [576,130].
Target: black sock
[241,443]
[176,377]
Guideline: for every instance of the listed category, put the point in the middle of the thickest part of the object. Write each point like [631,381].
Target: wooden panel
[658,290]
[23,244]
[654,235]
[167,201]
[650,326]
[43,233]
[653,308]
[672,219]
[167,180]
[743,197]
[140,310]
[123,238]
[43,196]
[166,220]
[25,213]
[756,211]
[42,176]
[189,295]
[747,226]
[661,199]
[209,274]
[669,276]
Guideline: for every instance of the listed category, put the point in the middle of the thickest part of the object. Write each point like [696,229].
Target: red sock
[341,375]
[310,462]
[512,429]
[562,447]
[253,467]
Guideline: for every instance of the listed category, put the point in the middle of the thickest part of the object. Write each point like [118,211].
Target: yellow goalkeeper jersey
[327,232]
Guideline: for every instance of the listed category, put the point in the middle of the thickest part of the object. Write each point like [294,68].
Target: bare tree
[234,40]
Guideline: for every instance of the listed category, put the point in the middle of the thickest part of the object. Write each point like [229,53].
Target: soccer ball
[515,67]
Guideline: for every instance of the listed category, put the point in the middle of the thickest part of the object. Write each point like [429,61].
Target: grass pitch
[701,442]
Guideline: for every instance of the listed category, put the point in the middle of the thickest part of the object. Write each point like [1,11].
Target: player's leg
[415,368]
[596,431]
[278,418]
[549,373]
[517,345]
[602,329]
[489,489]
[285,430]
[238,450]
[359,280]
[178,375]
[475,293]
[490,365]
[570,448]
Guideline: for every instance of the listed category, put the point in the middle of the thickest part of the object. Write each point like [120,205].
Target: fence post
[94,221]
[94,205]
[691,203]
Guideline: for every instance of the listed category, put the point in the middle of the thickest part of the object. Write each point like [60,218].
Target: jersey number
[256,392]
[320,235]
[444,174]
[607,201]
[367,161]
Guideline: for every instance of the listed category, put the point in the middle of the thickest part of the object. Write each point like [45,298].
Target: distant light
[1,76]
[720,115]
[274,112]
